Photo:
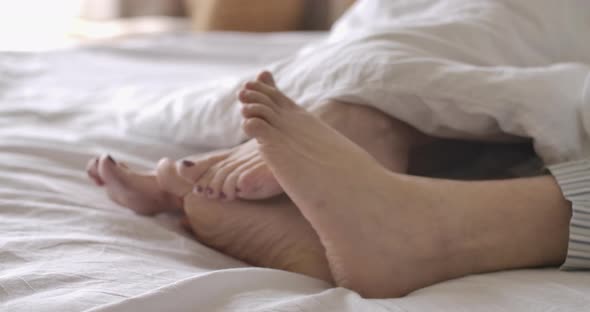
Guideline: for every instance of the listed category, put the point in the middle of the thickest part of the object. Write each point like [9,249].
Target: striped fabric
[574,180]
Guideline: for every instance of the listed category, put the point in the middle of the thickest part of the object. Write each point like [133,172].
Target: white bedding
[463,69]
[65,247]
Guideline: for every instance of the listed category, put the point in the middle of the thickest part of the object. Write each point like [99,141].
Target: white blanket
[481,69]
[65,247]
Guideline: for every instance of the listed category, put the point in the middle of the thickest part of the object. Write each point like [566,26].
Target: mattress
[64,246]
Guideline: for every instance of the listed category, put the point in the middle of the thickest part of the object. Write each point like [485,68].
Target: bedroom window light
[34,25]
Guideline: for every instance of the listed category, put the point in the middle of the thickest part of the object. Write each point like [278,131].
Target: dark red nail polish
[111,159]
[199,189]
[188,163]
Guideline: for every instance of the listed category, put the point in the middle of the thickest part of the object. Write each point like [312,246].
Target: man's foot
[384,233]
[241,172]
[138,191]
[270,233]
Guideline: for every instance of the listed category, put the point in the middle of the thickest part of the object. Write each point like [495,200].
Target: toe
[267,78]
[104,166]
[259,129]
[92,170]
[220,177]
[169,179]
[140,193]
[258,182]
[259,111]
[113,178]
[279,99]
[229,187]
[274,94]
[248,184]
[193,169]
[202,186]
[250,96]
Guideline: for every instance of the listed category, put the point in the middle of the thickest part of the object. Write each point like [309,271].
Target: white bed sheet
[65,247]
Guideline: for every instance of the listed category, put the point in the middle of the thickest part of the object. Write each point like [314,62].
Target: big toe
[107,169]
[92,171]
[112,177]
[169,179]
[258,182]
[137,192]
[267,78]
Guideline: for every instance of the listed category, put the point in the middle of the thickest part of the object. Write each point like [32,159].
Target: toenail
[209,191]
[238,190]
[111,159]
[188,163]
[198,189]
[222,195]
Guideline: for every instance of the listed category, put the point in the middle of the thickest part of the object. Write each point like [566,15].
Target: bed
[64,246]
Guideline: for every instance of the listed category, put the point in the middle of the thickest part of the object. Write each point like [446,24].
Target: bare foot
[383,236]
[140,192]
[229,174]
[270,233]
[241,172]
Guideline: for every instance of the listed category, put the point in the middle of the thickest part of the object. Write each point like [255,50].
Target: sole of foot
[270,233]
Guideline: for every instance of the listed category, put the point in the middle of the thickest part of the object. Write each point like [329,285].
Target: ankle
[510,224]
[456,245]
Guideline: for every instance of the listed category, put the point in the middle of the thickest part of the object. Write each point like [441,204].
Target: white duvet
[65,247]
[482,69]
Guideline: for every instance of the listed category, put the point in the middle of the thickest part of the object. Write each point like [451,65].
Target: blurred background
[32,25]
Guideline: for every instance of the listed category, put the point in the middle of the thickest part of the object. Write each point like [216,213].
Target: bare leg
[388,234]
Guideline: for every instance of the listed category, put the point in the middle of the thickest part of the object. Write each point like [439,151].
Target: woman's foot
[241,172]
[269,233]
[385,234]
[137,191]
[230,174]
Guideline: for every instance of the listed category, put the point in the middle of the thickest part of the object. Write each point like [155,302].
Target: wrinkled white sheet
[65,247]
